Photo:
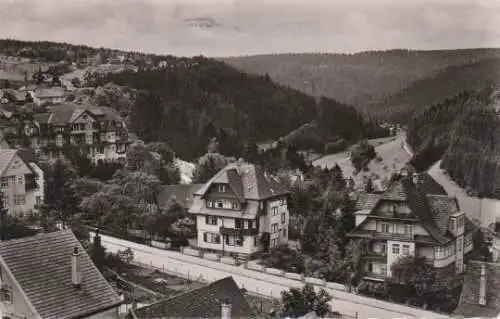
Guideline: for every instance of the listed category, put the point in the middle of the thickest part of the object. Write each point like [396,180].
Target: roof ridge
[37,236]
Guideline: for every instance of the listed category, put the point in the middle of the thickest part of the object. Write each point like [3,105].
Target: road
[258,282]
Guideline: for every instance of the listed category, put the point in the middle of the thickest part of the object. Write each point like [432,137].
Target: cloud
[255,26]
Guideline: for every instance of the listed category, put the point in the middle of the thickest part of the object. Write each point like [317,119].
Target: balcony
[372,255]
[238,231]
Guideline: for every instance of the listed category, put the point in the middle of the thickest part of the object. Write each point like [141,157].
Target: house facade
[413,217]
[240,210]
[98,132]
[21,183]
[54,95]
[33,285]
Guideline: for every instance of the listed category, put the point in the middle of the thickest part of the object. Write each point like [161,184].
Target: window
[234,240]
[385,227]
[383,249]
[452,224]
[238,223]
[210,203]
[20,179]
[283,218]
[460,222]
[39,200]
[282,202]
[220,204]
[4,182]
[284,232]
[20,199]
[274,228]
[235,205]
[59,140]
[222,188]
[212,238]
[211,220]
[256,241]
[409,230]
[460,244]
[6,294]
[406,250]
[274,242]
[395,249]
[274,211]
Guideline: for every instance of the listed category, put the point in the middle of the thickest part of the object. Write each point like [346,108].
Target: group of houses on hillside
[233,210]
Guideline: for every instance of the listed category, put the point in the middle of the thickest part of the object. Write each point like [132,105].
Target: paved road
[253,281]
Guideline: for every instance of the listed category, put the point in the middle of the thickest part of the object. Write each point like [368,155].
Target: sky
[244,27]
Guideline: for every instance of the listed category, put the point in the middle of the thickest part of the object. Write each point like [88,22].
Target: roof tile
[41,264]
[204,302]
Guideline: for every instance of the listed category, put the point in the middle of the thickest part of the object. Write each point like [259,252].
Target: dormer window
[222,188]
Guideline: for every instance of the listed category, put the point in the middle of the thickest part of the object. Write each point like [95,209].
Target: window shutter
[205,237]
[206,220]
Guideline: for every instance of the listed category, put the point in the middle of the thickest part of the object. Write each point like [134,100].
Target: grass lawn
[393,158]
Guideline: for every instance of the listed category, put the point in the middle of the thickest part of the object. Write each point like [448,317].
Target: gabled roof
[469,306]
[427,200]
[41,266]
[366,201]
[204,302]
[247,181]
[6,156]
[181,192]
[49,92]
[66,113]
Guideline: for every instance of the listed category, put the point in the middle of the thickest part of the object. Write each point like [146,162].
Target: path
[258,282]
[486,210]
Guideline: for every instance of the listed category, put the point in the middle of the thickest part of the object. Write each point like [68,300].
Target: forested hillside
[360,79]
[449,82]
[465,132]
[191,100]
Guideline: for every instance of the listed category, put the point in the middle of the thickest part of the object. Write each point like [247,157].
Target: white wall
[282,238]
[248,241]
[391,258]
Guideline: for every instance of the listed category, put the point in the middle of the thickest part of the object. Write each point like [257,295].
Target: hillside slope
[452,80]
[360,79]
[188,101]
[465,132]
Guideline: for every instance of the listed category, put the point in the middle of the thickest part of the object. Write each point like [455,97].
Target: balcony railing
[238,231]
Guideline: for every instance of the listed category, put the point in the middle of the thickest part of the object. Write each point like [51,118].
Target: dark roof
[28,155]
[204,302]
[41,265]
[469,299]
[427,200]
[183,193]
[247,181]
[366,201]
[66,113]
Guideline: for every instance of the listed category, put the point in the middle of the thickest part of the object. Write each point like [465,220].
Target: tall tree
[60,195]
[299,302]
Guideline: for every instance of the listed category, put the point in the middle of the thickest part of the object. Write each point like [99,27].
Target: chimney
[482,286]
[226,309]
[76,272]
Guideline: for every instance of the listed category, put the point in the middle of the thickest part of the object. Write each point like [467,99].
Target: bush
[285,258]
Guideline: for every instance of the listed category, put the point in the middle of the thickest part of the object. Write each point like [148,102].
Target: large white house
[240,211]
[413,217]
[21,182]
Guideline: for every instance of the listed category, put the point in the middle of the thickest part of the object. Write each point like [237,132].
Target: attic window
[222,188]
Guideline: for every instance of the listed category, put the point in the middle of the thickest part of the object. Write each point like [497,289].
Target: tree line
[463,131]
